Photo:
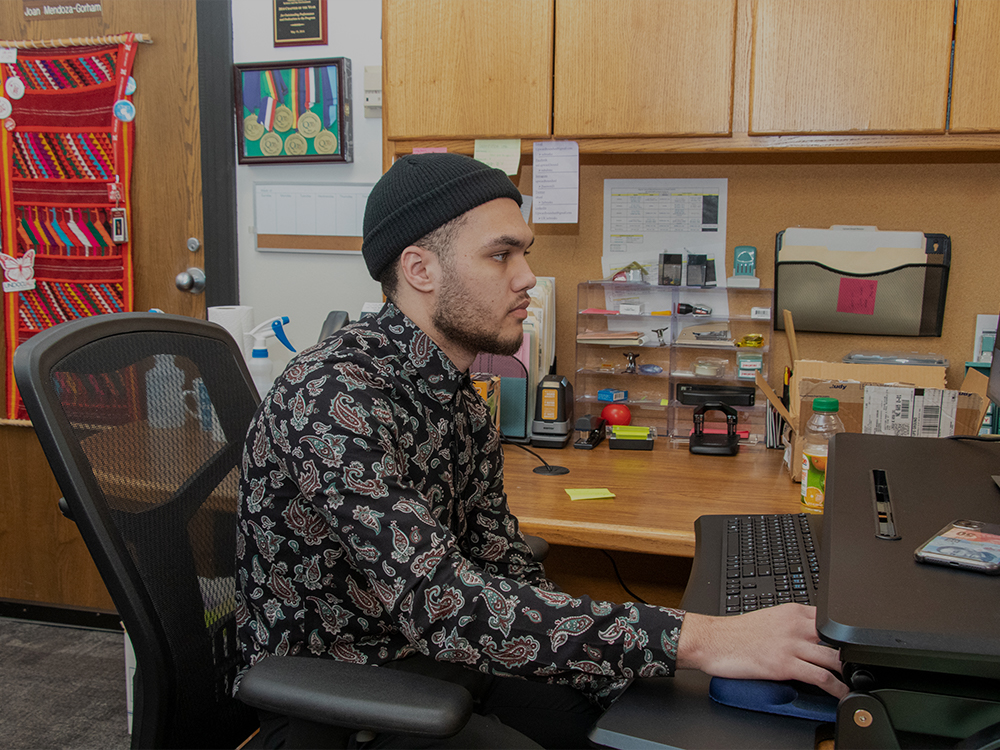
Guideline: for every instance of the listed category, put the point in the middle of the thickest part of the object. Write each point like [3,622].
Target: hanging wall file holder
[862,281]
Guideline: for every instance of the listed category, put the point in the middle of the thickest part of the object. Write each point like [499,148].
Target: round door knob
[191,280]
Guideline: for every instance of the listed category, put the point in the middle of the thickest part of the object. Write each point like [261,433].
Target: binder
[860,280]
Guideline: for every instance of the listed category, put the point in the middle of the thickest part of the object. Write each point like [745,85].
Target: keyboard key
[770,560]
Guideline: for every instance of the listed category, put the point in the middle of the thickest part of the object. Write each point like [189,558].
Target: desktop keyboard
[768,560]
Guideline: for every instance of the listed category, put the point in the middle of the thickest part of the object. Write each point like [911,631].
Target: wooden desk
[137,463]
[658,494]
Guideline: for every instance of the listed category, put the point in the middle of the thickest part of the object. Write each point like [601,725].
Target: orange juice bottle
[822,425]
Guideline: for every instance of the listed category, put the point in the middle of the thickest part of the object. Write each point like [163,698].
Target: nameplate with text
[51,10]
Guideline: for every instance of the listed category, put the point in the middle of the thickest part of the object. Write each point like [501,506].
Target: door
[42,555]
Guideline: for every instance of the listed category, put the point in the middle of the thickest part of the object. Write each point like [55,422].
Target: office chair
[335,320]
[142,417]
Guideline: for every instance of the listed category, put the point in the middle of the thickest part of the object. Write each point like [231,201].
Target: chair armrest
[356,696]
[538,546]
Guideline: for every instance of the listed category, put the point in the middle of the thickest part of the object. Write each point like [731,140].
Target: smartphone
[970,545]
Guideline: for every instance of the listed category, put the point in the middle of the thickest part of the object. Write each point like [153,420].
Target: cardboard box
[889,411]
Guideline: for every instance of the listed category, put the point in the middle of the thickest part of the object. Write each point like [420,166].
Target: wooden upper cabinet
[850,66]
[467,68]
[644,67]
[975,84]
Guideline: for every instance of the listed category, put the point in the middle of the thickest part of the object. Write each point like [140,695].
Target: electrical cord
[621,581]
[505,440]
[546,467]
[549,469]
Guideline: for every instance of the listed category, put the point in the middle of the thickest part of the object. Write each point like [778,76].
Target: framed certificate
[294,112]
[299,23]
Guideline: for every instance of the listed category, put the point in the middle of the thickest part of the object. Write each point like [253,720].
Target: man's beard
[461,321]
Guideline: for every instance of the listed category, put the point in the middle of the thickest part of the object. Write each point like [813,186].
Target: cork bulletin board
[957,194]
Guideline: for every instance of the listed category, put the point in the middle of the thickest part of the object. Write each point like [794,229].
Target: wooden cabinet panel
[975,92]
[644,67]
[467,68]
[42,554]
[850,66]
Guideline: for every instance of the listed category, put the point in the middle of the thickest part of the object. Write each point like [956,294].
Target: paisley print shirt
[373,525]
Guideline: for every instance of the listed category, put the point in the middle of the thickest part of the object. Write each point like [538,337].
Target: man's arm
[500,547]
[778,643]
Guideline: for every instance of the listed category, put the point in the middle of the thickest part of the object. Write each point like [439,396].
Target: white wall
[305,287]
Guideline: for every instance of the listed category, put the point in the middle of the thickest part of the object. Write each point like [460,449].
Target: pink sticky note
[857,296]
[430,150]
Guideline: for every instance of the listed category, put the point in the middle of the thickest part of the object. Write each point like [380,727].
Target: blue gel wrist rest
[784,698]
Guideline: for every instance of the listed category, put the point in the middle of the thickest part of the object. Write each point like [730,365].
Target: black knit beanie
[420,193]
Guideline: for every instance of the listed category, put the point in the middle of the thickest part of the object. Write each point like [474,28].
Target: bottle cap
[826,405]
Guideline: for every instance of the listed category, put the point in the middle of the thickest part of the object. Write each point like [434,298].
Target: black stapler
[593,427]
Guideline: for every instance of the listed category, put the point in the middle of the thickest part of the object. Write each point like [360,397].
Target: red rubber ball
[618,414]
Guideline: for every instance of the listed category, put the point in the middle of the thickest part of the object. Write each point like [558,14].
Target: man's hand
[778,643]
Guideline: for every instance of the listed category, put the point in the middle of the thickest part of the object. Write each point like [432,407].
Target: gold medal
[283,118]
[309,124]
[270,144]
[252,129]
[295,145]
[325,143]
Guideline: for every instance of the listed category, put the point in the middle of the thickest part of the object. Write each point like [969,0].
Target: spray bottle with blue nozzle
[259,364]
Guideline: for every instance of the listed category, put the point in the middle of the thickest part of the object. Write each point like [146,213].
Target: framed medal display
[294,112]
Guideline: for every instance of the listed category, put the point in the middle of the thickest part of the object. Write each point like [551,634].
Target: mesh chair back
[142,418]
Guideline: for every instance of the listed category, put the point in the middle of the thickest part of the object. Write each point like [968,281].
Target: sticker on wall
[18,273]
[14,87]
[124,110]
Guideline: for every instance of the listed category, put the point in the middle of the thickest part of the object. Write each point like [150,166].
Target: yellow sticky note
[590,494]
[502,153]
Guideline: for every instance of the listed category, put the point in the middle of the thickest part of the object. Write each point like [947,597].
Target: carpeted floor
[61,687]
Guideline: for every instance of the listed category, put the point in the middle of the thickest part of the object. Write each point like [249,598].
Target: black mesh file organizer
[862,287]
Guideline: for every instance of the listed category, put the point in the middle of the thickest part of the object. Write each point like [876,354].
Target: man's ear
[419,267]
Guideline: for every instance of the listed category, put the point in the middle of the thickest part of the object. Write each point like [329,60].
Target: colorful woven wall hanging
[66,161]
